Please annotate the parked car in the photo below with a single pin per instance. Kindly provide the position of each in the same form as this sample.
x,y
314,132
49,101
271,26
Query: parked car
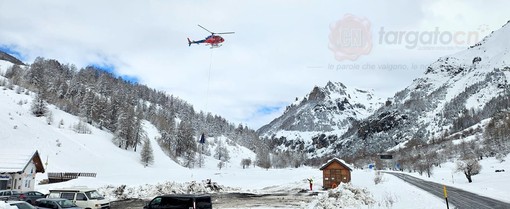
x,y
21,204
58,203
172,201
87,198
29,196
8,194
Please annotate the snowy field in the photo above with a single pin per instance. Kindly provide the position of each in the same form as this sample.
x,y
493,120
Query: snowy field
x,y
66,151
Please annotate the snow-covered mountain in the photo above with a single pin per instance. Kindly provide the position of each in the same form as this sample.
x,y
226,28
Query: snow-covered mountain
x,y
331,109
455,93
324,109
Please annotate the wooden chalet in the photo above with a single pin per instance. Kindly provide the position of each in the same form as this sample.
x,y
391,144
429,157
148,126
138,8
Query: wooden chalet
x,y
334,172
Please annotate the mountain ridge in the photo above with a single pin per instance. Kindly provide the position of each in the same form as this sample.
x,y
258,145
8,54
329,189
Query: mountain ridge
x,y
454,93
7,57
330,108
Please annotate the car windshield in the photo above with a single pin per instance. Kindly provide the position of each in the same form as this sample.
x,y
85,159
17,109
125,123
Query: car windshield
x,y
54,195
22,205
65,204
94,195
203,202
178,202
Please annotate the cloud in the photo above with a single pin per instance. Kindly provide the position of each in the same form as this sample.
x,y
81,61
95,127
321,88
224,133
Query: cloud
x,y
263,66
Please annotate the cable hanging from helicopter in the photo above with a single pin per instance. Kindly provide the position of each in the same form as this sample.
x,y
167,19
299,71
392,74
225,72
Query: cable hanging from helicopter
x,y
214,40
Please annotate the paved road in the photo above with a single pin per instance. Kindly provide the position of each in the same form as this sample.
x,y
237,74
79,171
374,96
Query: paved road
x,y
458,198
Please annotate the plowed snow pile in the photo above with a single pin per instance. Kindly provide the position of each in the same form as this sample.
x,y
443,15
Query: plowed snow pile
x,y
344,196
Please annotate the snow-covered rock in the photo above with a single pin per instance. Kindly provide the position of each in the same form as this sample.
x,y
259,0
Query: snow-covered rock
x,y
331,109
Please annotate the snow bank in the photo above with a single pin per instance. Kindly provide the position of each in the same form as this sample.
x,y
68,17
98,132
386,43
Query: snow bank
x,y
344,196
150,191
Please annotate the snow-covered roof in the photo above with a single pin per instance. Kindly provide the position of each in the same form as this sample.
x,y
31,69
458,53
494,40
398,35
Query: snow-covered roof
x,y
338,160
17,161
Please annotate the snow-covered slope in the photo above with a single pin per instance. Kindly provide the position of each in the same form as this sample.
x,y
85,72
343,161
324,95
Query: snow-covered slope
x,y
64,150
455,93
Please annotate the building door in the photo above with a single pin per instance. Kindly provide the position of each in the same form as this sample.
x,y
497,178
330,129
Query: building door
x,y
3,184
332,178
336,176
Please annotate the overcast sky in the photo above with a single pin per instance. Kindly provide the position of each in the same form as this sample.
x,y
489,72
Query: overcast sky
x,y
280,49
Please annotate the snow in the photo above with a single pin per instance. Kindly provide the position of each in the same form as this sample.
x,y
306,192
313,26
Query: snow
x,y
339,160
4,205
63,150
14,161
488,183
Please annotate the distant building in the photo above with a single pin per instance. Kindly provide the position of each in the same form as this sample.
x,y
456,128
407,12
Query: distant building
x,y
334,172
17,170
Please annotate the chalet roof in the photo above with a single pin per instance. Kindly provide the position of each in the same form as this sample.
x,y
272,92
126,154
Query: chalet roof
x,y
16,161
338,160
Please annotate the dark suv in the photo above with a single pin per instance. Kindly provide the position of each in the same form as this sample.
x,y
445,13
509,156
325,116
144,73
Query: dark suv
x,y
180,201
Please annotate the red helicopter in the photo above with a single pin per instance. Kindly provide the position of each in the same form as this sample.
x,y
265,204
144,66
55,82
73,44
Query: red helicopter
x,y
213,40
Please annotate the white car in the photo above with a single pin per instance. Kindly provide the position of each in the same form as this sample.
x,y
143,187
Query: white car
x,y
17,205
86,198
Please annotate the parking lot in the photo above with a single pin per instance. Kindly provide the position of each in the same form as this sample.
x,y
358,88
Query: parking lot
x,y
237,200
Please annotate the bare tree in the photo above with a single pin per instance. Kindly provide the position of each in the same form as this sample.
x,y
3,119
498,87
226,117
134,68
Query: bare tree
x,y
221,152
81,127
221,164
263,157
49,118
469,167
246,162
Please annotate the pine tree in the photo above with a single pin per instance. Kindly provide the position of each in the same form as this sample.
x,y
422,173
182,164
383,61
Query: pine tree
x,y
139,132
168,143
147,156
86,107
39,107
124,130
185,141
186,146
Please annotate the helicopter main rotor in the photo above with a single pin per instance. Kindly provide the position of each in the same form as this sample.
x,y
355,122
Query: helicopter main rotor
x,y
212,33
